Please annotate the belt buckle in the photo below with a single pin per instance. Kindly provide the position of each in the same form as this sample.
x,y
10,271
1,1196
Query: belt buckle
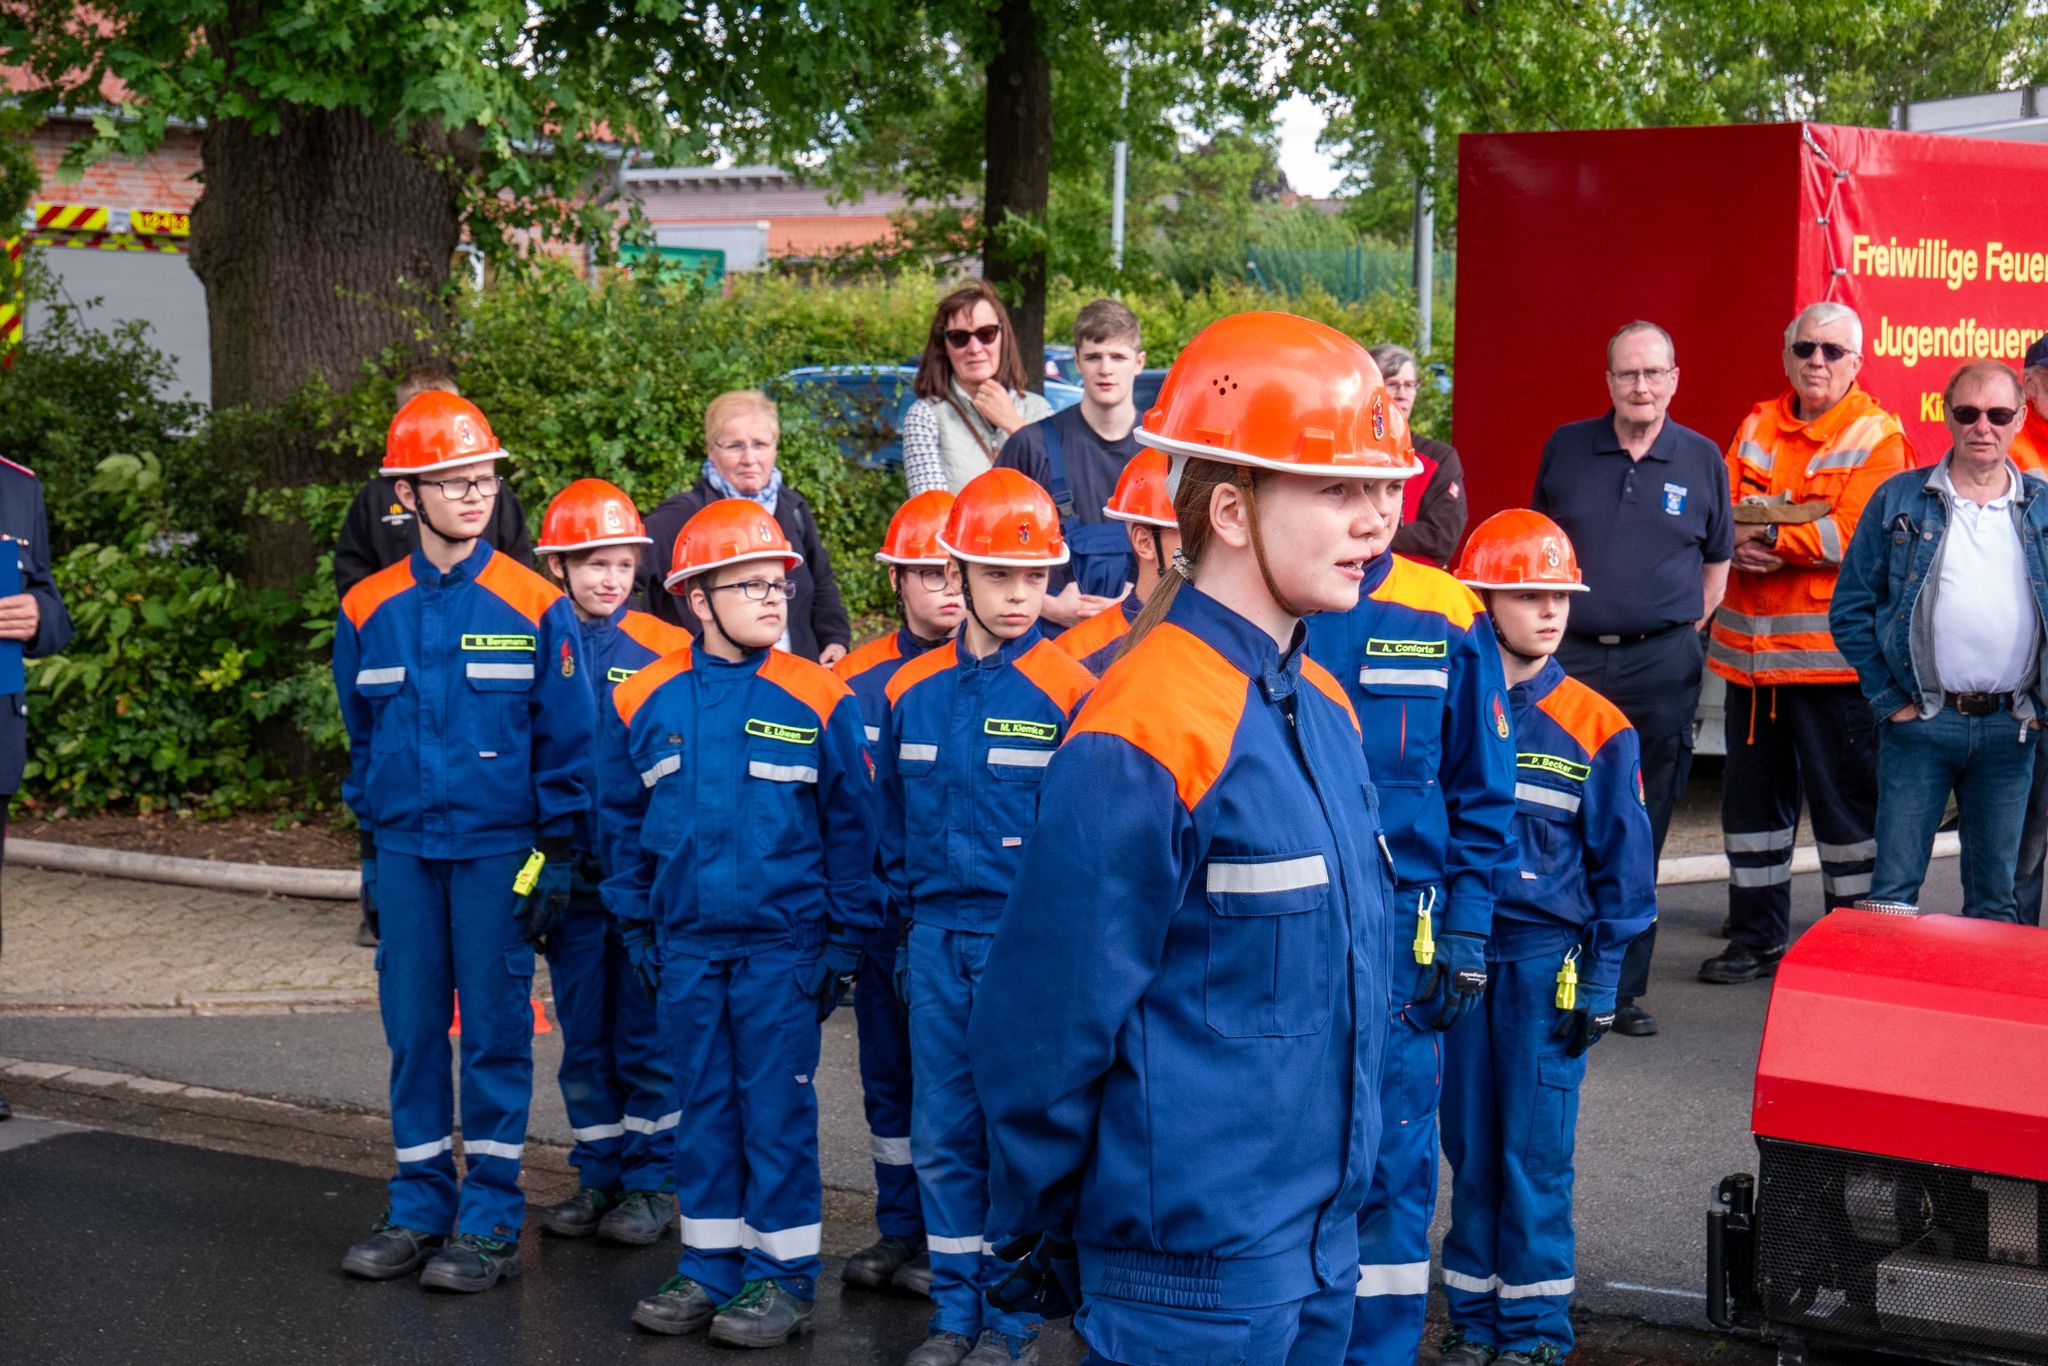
x,y
1976,703
1608,640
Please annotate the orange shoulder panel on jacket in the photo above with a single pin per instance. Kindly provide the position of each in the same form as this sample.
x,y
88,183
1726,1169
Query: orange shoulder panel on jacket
x,y
1429,589
371,593
1191,738
662,637
808,681
1586,716
627,697
919,669
524,591
876,652
1058,674
1091,635
1328,686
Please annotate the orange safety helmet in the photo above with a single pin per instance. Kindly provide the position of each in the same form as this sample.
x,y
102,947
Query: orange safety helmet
x,y
588,514
1004,518
1142,494
438,431
913,534
1520,549
1282,393
729,531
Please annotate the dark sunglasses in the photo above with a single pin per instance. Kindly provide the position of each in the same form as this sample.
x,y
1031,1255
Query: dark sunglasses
x,y
958,337
1966,415
1805,349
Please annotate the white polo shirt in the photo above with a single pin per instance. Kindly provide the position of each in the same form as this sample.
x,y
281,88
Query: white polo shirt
x,y
1986,628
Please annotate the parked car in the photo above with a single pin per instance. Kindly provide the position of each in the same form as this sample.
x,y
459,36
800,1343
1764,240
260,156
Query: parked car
x,y
863,405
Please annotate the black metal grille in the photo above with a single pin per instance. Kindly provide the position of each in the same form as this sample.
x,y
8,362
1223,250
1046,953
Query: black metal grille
x,y
1903,1254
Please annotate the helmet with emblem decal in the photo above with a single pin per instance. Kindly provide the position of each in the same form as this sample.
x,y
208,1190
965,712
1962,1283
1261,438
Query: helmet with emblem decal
x,y
1142,495
436,431
588,514
913,534
1520,549
729,531
1004,518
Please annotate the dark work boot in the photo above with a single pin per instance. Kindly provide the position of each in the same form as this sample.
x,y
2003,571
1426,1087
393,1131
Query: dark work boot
x,y
1741,963
872,1266
578,1216
940,1349
1632,1020
1000,1349
366,934
1541,1355
471,1262
640,1218
1459,1350
390,1251
914,1277
680,1306
763,1314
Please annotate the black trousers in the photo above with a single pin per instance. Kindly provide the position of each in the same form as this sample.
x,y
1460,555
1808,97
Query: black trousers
x,y
1656,683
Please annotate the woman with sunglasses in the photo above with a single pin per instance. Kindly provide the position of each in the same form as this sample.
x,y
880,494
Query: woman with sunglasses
x,y
970,392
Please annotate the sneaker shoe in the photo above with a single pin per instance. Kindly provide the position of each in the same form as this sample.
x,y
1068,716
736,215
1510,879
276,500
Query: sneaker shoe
x,y
578,1216
1458,1350
1632,1020
390,1251
872,1267
914,1277
1000,1349
1740,963
640,1218
940,1349
1541,1355
471,1262
680,1306
763,1314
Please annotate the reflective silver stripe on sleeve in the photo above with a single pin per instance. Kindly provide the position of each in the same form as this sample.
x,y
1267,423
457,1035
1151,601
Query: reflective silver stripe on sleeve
x,y
1415,678
1758,842
1770,876
1830,540
1020,758
782,773
1752,454
1847,459
663,766
1283,875
369,678
520,671
912,754
1547,796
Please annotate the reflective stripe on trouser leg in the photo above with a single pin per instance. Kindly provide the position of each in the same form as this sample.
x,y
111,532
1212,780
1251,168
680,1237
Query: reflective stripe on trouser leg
x,y
494,977
776,1038
1760,799
596,1109
948,1133
1472,1124
415,996
642,1074
1393,1225
884,1035
709,1180
1836,739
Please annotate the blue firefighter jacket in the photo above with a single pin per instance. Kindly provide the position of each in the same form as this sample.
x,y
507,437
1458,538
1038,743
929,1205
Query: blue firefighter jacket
x,y
617,647
737,813
959,769
1418,658
468,707
1179,1032
1588,875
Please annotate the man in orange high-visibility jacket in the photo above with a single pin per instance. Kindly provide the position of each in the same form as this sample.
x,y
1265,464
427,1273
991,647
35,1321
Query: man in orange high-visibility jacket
x,y
2029,449
1797,724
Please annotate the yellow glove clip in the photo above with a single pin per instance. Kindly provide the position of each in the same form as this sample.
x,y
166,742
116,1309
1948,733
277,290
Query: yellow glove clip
x,y
1568,982
1425,940
529,874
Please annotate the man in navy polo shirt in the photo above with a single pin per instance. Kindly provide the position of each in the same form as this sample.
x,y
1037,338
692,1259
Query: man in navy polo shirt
x,y
1645,501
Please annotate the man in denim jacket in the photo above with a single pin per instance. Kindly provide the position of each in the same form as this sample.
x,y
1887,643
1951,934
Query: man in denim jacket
x,y
1940,607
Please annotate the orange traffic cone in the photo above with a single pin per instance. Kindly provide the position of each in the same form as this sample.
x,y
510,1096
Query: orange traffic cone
x,y
540,1017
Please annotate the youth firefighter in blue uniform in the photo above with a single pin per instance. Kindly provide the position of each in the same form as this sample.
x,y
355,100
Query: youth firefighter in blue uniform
x,y
615,1076
1586,887
469,717
739,836
1418,658
1183,1015
1144,505
972,725
928,598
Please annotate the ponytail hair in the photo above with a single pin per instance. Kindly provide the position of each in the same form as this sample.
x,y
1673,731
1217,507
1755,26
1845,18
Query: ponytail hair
x,y
1199,479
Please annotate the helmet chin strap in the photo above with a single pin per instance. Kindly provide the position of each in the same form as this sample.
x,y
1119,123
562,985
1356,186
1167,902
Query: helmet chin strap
x,y
419,497
1251,507
718,622
967,593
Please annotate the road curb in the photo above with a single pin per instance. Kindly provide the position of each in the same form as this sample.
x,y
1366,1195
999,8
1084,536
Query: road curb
x,y
317,884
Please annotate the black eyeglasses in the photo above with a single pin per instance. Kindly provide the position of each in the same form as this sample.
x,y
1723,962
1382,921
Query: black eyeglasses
x,y
760,590
933,579
958,337
1805,349
455,490
1966,415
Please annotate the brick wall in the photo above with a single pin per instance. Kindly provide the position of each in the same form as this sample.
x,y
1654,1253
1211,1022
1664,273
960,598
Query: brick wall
x,y
165,179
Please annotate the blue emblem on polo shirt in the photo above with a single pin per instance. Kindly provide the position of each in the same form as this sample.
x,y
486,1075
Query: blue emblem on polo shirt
x,y
1674,499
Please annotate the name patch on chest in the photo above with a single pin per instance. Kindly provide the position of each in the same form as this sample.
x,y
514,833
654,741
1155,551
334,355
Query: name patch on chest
x,y
769,730
1020,730
1551,763
615,674
1408,649
524,643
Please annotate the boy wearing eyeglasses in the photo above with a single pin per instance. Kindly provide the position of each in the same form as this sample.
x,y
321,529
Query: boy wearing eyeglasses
x,y
469,718
738,825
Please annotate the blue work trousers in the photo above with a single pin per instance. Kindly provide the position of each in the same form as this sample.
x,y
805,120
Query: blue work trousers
x,y
884,1033
1304,1332
949,1133
448,927
1510,1117
1988,762
615,1077
743,1035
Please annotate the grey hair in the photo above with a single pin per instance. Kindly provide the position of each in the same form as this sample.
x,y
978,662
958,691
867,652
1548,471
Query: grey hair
x,y
1390,357
1639,325
1820,315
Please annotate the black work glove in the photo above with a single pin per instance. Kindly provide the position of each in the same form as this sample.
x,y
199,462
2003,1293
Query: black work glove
x,y
837,962
544,891
366,845
1044,1278
644,955
1582,1027
1460,976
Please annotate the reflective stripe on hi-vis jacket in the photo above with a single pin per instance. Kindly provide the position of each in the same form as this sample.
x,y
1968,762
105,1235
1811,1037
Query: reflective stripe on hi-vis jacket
x,y
1199,1112
468,704
752,823
1772,628
1587,872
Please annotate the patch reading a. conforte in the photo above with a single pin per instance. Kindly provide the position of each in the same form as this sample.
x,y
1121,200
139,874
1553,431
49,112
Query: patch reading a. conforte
x,y
526,643
1020,730
1408,649
769,730
1551,763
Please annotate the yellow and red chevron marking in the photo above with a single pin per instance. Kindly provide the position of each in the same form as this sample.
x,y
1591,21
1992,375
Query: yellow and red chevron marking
x,y
113,241
70,218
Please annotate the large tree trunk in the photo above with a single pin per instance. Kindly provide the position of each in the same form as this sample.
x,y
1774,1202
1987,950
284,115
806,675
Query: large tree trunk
x,y
1019,172
313,244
